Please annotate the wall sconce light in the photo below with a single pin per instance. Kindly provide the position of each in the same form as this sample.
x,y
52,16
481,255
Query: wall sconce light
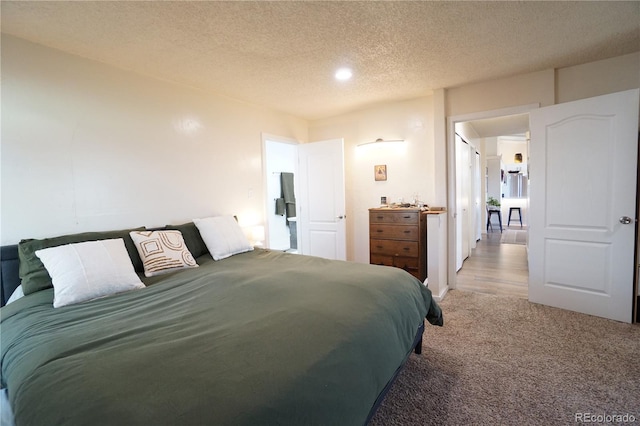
x,y
380,140
517,158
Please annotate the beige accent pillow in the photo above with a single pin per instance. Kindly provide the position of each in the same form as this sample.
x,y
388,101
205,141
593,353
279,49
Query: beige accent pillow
x,y
162,251
88,270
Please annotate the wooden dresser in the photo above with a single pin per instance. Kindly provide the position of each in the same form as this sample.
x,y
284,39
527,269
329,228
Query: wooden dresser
x,y
398,237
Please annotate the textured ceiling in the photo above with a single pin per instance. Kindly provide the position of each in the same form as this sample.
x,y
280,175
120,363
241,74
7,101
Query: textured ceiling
x,y
283,54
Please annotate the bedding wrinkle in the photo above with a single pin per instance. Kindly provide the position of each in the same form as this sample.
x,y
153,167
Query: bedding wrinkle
x,y
261,337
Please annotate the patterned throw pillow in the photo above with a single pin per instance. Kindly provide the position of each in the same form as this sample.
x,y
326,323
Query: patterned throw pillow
x,y
162,251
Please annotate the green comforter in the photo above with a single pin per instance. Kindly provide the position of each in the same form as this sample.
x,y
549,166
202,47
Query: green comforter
x,y
261,338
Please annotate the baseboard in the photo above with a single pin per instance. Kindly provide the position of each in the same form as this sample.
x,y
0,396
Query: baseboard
x,y
439,297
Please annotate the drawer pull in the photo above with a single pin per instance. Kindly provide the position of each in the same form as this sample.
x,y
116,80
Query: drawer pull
x,y
406,248
407,232
379,247
380,217
407,217
380,231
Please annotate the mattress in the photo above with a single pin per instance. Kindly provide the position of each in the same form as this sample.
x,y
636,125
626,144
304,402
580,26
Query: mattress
x,y
262,337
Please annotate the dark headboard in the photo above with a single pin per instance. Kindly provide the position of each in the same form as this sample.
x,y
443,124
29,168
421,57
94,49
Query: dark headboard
x,y
9,276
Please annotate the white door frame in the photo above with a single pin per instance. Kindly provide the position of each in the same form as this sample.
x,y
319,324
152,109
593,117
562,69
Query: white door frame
x,y
451,174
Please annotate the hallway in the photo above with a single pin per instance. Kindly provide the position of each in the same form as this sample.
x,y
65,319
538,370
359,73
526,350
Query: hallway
x,y
495,268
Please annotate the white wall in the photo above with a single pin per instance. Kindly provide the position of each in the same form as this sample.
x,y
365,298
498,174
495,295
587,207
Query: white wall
x,y
425,165
598,78
537,87
410,166
494,177
86,146
508,147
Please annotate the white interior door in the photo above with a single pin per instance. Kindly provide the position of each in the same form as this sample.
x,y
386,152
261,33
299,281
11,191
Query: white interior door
x,y
321,208
477,199
463,193
583,168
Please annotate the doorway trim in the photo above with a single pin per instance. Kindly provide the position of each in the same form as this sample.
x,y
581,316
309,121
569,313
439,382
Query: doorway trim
x,y
451,174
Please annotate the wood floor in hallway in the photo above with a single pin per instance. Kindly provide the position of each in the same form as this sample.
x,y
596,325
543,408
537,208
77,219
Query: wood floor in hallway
x,y
495,268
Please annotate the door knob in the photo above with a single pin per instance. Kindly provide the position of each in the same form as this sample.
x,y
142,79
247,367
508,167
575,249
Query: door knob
x,y
625,220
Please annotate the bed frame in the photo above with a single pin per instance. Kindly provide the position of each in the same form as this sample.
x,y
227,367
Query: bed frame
x,y
9,275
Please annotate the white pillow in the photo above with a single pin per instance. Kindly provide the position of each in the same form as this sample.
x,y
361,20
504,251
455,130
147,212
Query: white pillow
x,y
88,270
162,251
223,236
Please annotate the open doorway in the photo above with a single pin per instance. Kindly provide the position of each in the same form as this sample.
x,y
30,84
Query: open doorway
x,y
496,137
513,194
280,162
501,198
498,263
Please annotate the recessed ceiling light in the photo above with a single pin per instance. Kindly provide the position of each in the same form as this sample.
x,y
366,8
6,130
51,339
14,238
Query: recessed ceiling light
x,y
343,74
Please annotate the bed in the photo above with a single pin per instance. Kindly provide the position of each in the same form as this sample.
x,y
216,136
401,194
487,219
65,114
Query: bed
x,y
258,337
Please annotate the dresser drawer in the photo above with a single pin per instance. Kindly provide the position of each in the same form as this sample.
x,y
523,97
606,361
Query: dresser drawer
x,y
409,264
379,259
394,248
394,232
397,217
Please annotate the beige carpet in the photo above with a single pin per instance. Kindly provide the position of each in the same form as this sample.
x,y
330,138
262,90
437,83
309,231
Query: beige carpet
x,y
504,361
514,236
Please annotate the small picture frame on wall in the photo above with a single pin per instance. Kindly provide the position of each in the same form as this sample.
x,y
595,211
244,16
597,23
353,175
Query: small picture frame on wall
x,y
380,172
